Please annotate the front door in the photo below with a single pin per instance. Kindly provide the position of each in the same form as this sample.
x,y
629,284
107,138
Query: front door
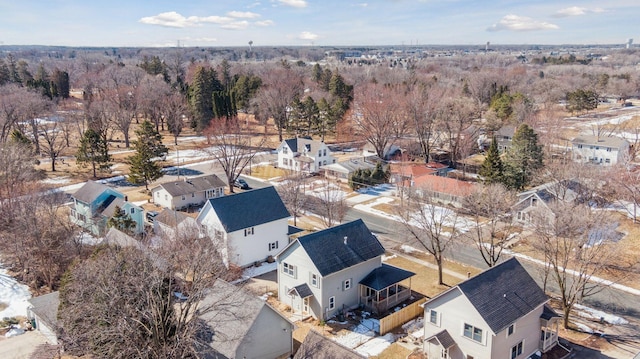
x,y
305,305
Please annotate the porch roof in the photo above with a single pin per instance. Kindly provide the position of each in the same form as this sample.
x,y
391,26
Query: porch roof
x,y
443,338
302,290
548,313
385,276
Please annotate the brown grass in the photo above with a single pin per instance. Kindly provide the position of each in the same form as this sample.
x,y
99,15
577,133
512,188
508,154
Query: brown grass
x,y
394,351
266,172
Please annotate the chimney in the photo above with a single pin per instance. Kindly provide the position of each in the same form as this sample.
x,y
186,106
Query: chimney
x,y
345,240
126,198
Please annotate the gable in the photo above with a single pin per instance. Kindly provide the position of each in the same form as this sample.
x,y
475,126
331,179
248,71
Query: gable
x,y
340,247
503,294
248,209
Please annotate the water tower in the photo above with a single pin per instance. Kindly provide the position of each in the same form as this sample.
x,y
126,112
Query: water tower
x,y
629,42
486,47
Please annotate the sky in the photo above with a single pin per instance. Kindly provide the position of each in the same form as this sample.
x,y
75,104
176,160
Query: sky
x,y
122,23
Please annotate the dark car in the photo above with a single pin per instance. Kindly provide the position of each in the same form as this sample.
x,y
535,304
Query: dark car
x,y
240,183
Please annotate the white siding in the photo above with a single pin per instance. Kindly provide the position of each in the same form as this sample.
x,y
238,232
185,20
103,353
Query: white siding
x,y
526,329
269,337
245,250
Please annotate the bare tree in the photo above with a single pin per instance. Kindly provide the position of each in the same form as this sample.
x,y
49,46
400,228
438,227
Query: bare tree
x,y
490,206
627,190
53,143
17,171
575,241
291,191
435,228
329,203
421,107
174,108
232,148
379,116
456,117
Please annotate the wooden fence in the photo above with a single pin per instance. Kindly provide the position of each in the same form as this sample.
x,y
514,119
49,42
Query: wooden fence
x,y
402,316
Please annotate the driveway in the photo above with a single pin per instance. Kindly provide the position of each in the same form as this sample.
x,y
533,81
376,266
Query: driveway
x,y
21,346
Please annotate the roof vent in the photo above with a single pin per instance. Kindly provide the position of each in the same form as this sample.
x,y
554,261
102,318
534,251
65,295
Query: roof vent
x,y
504,295
345,240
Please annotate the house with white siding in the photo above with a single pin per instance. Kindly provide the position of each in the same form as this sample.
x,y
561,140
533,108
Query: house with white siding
x,y
500,313
600,150
192,192
247,227
303,154
328,272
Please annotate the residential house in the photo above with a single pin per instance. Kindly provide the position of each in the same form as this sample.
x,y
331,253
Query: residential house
x,y
317,346
43,312
444,189
170,223
192,192
303,154
504,137
534,204
500,313
94,203
601,150
343,170
243,325
327,272
247,227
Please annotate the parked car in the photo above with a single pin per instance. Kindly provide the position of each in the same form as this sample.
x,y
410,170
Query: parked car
x,y
151,215
240,183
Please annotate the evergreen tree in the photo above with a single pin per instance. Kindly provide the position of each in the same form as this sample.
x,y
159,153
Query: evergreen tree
x,y
4,73
522,158
316,73
121,221
492,167
201,90
148,145
245,89
20,138
60,82
93,150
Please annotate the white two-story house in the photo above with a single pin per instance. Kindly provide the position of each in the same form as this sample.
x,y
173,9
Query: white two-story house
x,y
606,151
246,227
192,192
330,271
303,154
500,313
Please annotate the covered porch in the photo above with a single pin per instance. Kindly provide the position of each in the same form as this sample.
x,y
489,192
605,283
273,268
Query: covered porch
x,y
300,300
549,324
381,289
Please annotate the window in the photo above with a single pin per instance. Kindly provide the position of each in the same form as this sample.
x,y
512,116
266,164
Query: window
x,y
314,280
157,194
248,231
193,195
469,357
285,150
324,152
319,153
183,198
273,245
607,161
289,269
346,285
608,149
472,332
132,210
332,302
433,317
444,353
516,350
511,329
166,197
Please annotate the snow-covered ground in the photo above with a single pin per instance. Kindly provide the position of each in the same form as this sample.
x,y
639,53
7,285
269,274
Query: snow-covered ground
x,y
14,295
594,314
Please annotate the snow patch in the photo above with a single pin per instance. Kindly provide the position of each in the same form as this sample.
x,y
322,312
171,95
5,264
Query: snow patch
x,y
376,345
594,314
14,295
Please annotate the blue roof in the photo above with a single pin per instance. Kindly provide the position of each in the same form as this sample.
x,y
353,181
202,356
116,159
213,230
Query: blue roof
x,y
293,144
336,248
385,276
503,294
249,208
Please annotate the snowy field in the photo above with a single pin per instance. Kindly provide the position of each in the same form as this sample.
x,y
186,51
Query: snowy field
x,y
362,338
14,295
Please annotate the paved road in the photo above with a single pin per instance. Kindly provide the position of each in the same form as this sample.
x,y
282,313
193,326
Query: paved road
x,y
392,236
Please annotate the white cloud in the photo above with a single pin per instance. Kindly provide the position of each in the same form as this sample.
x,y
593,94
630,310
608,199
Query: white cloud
x,y
306,35
250,6
236,25
521,23
294,3
364,4
576,11
243,14
265,23
173,19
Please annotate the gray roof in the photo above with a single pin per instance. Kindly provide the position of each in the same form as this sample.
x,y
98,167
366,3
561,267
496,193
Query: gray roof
x,y
249,208
294,230
230,312
564,190
193,185
170,217
444,339
548,313
385,276
316,346
503,294
90,191
336,248
46,307
302,290
110,210
349,166
293,144
603,141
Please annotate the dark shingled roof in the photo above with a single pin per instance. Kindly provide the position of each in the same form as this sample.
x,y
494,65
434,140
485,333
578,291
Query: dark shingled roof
x,y
46,307
293,144
503,294
90,191
548,313
302,290
293,230
249,208
385,276
444,338
330,252
316,346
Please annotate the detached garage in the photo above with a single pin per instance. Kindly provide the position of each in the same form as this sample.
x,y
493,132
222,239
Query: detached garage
x,y
43,311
